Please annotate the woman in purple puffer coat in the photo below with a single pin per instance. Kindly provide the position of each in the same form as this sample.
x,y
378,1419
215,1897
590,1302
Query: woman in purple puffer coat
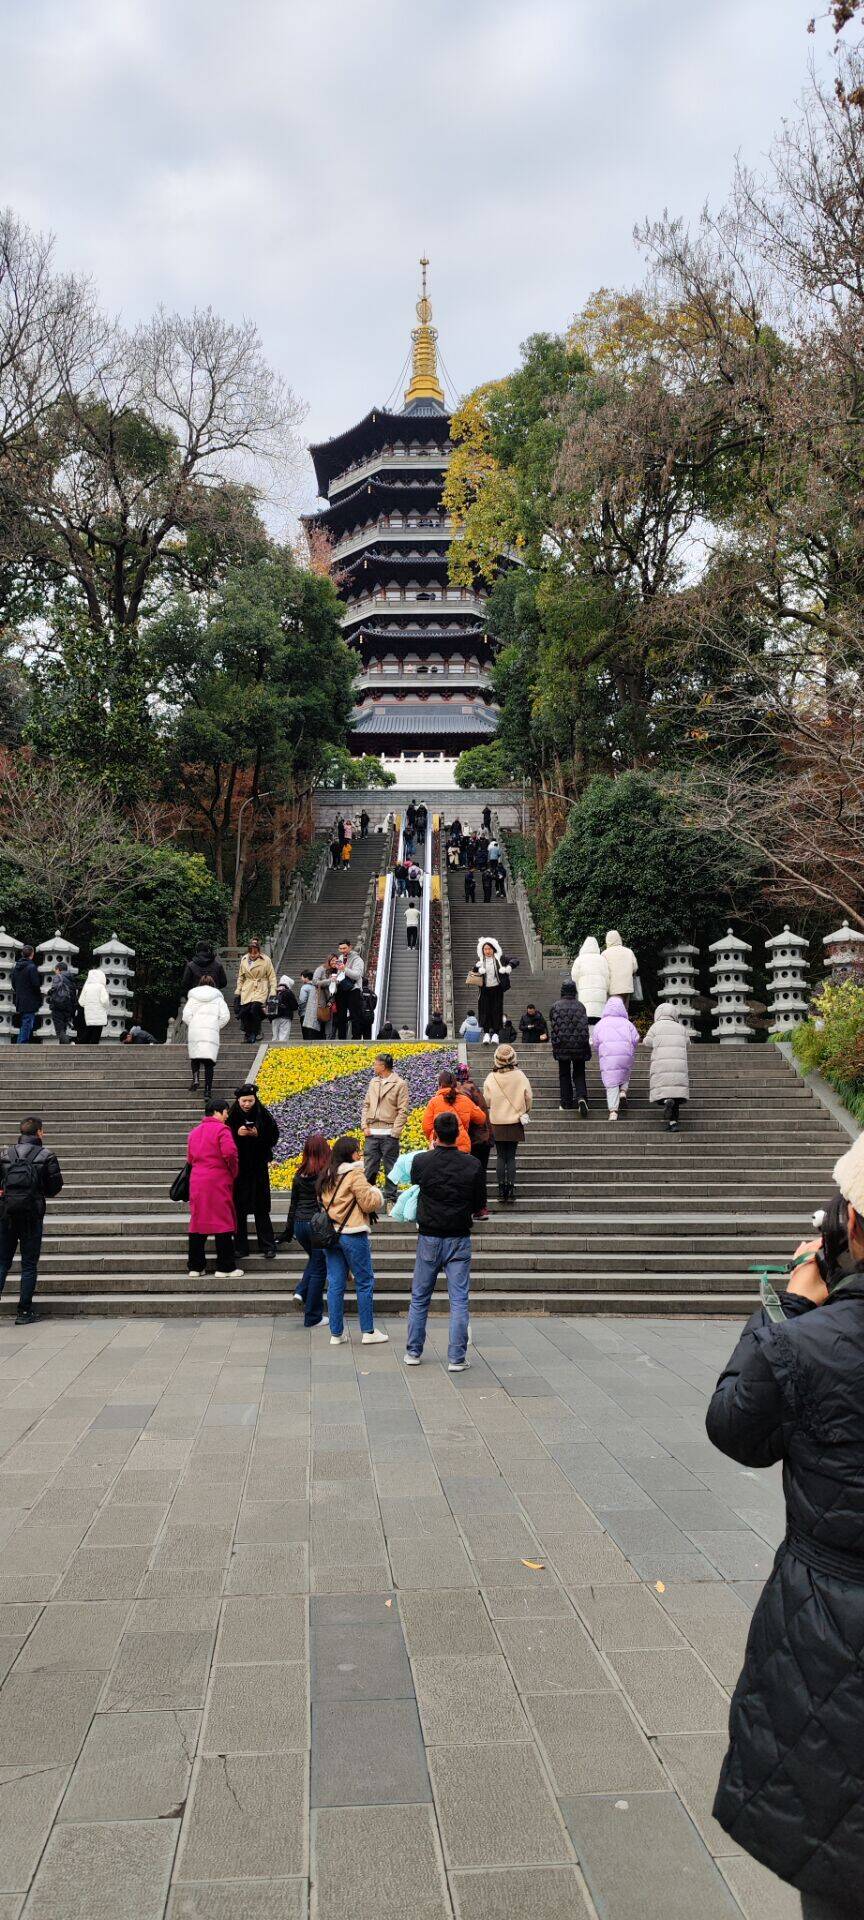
x,y
614,1040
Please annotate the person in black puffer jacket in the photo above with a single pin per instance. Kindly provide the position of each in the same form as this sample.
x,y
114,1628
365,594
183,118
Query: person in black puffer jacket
x,y
791,1790
571,1047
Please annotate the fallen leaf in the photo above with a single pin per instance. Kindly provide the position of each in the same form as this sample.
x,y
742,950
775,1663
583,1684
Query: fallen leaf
x,y
660,1586
388,1603
537,1566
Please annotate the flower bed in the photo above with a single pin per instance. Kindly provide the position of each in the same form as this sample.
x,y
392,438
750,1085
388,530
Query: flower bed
x,y
319,1088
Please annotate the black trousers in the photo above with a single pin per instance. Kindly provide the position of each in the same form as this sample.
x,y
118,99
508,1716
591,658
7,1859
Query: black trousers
x,y
61,1022
91,1036
225,1255
671,1110
411,936
251,1016
25,1234
208,1066
505,1151
263,1230
349,1006
571,1081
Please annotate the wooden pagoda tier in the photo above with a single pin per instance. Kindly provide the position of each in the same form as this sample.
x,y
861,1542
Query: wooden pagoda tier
x,y
423,681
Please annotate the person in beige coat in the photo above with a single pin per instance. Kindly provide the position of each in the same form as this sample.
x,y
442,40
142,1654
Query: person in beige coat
x,y
623,967
351,1203
256,984
383,1115
508,1095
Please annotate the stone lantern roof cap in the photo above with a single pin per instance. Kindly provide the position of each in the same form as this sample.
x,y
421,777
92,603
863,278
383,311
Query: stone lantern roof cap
x,y
787,939
843,933
115,949
57,945
730,943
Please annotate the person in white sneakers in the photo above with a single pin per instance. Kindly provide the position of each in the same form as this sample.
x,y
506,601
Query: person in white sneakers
x,y
347,1197
452,1193
211,1151
493,973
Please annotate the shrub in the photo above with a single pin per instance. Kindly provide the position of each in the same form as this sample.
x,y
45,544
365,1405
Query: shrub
x,y
832,1042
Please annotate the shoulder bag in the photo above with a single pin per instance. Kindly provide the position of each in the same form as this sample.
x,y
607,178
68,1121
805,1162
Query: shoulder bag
x,y
323,1231
179,1188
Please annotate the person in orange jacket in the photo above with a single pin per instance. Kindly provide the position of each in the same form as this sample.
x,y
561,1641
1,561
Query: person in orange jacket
x,y
451,1099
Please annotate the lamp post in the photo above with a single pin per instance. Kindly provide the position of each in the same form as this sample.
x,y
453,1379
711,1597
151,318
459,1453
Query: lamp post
x,y
251,801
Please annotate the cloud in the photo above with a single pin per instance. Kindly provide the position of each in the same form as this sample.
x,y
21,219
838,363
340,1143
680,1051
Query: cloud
x,y
290,161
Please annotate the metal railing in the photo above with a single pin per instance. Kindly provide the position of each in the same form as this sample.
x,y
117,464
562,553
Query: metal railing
x,y
542,959
448,997
299,893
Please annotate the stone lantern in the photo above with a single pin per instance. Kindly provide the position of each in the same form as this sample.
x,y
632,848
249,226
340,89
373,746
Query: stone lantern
x,y
9,951
730,989
115,961
844,949
786,967
680,988
50,953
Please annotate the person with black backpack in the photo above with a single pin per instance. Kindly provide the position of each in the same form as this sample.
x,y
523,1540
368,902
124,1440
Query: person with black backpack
x,y
29,1175
63,1000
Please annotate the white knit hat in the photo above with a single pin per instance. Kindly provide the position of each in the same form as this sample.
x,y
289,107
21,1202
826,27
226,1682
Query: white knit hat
x,y
849,1175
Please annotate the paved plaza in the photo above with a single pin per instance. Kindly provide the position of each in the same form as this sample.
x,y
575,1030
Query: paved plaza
x,y
276,1616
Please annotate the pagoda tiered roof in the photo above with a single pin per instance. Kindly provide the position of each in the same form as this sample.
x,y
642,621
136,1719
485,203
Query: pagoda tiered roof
x,y
374,495
377,429
380,721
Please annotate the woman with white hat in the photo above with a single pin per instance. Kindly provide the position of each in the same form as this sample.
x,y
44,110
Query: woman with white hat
x,y
492,975
286,1007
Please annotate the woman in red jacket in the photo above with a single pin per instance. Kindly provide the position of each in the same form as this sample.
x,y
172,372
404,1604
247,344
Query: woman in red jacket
x,y
211,1151
450,1099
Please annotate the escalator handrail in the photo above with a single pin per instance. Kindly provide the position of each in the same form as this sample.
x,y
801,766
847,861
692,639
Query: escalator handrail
x,y
423,941
385,947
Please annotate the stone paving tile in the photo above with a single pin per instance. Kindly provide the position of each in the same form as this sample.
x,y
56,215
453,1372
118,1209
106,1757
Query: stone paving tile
x,y
693,1761
465,1701
671,1691
446,1624
73,1634
239,1900
369,1862
495,1808
29,1799
640,1854
133,1766
246,1818
160,1670
552,1656
105,1872
257,1709
593,1745
760,1895
262,1628
367,1753
544,1893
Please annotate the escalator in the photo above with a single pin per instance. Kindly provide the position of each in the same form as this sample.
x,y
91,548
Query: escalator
x,y
403,973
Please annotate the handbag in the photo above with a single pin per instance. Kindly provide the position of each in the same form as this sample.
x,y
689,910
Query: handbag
x,y
636,990
179,1188
323,1231
474,979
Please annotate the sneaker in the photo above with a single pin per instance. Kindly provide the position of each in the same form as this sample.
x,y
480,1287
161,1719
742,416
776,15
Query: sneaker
x,y
457,1366
412,1359
613,1116
193,1274
299,1298
374,1339
494,1039
482,1216
235,1274
583,1109
26,1316
486,1039
565,1109
338,1339
673,1126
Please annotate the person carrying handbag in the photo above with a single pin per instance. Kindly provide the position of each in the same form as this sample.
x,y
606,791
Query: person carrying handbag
x,y
508,1095
492,974
349,1203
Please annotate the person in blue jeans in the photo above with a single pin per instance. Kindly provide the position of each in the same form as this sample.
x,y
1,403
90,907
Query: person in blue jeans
x,y
346,1195
452,1189
314,1161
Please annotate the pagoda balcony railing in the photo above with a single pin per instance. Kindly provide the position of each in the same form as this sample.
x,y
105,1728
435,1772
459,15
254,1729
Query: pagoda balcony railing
x,y
384,462
428,531
382,679
441,603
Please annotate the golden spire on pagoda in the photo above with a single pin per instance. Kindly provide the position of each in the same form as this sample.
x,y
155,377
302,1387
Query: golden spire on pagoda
x,y
425,384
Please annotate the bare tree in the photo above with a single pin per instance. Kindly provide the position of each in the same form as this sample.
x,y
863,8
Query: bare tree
x,y
69,841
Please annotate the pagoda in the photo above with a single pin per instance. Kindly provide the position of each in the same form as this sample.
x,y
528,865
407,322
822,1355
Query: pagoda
x,y
423,685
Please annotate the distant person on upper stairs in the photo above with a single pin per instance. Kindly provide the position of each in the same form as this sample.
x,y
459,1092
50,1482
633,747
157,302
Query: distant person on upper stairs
x,y
307,1002
614,1039
408,847
456,830
364,824
500,882
471,1030
493,972
347,850
487,818
203,961
494,852
452,854
286,1007
410,815
205,1013
335,852
669,1077
571,1048
590,974
421,819
400,876
414,887
508,1031
481,853
486,884
436,1028
370,1002
256,984
139,1037
470,885
94,1003
340,831
350,829
623,966
62,999
26,993
412,924
532,1026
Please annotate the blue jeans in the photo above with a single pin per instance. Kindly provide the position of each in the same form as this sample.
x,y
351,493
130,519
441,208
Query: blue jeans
x,y
353,1255
455,1257
25,1031
24,1232
313,1277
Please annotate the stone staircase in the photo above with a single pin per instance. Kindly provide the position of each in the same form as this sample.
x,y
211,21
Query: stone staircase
x,y
337,913
500,920
624,1218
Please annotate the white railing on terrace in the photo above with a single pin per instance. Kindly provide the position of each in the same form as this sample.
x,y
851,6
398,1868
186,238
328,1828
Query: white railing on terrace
x,y
385,460
423,535
440,602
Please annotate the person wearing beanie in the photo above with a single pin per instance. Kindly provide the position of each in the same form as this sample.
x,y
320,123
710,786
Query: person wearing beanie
x,y
286,1007
792,1783
571,1048
509,1098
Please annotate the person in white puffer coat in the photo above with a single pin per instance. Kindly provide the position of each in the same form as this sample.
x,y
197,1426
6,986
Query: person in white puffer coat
x,y
94,1001
590,970
623,967
205,1014
669,1081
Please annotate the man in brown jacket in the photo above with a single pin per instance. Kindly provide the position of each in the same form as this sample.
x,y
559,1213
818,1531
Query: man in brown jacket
x,y
385,1111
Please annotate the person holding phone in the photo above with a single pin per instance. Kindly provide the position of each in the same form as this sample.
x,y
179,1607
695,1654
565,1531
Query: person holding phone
x,y
255,1134
791,1790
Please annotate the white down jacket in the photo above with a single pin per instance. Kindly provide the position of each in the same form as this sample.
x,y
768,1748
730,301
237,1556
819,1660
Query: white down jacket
x,y
206,1012
590,970
93,998
668,1041
622,963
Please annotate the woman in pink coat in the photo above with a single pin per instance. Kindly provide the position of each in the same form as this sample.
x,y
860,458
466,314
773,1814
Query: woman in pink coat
x,y
211,1151
614,1039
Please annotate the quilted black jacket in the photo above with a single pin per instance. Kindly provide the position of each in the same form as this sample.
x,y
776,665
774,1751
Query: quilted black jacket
x,y
792,1786
569,1031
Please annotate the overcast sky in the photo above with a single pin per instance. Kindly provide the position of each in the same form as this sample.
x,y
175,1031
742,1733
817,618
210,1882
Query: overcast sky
x,y
290,159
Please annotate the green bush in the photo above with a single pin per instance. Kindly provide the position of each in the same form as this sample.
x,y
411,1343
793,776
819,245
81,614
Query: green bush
x,y
523,860
168,903
832,1042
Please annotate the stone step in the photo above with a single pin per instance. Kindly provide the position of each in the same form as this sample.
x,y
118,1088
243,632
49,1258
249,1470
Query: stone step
x,y
212,1305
